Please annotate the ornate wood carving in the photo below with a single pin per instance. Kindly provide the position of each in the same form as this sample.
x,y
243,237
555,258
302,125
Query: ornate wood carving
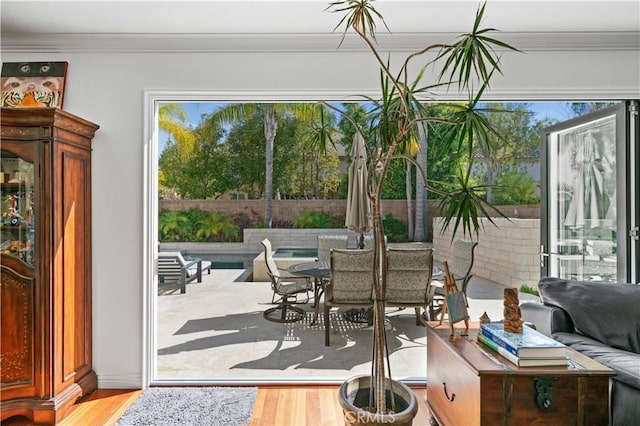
x,y
17,326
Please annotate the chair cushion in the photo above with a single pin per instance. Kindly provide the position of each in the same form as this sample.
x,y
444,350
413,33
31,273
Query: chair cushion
x,y
292,287
193,269
606,312
175,254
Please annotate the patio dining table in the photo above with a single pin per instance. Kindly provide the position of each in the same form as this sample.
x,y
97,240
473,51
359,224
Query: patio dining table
x,y
319,272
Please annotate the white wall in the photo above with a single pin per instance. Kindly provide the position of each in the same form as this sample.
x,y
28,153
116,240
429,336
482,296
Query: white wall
x,y
107,88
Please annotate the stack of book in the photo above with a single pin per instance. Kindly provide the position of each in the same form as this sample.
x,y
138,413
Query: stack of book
x,y
527,349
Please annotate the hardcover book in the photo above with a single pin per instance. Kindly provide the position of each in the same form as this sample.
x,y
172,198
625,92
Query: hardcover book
x,y
523,362
528,344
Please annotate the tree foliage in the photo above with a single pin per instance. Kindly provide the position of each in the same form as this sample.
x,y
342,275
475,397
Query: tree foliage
x,y
202,172
582,108
515,187
172,118
270,112
515,140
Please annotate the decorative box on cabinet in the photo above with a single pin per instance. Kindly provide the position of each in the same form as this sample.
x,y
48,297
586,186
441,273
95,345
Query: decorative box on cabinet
x,y
45,261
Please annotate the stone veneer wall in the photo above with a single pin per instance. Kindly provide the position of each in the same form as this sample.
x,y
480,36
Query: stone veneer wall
x,y
507,254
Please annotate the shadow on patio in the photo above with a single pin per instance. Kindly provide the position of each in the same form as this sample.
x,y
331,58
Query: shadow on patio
x,y
216,332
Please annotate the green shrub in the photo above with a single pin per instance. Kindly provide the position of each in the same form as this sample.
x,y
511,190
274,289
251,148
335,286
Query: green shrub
x,y
216,227
173,226
530,290
195,225
394,229
314,219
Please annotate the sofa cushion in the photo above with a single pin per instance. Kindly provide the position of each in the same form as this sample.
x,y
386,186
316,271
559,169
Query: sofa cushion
x,y
626,364
606,312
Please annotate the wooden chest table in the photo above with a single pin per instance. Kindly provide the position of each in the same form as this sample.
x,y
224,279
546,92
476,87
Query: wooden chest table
x,y
469,384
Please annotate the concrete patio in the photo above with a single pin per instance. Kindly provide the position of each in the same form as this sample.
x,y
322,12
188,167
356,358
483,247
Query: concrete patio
x,y
216,333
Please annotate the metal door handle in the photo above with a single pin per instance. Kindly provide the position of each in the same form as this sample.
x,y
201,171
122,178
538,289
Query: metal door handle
x,y
542,256
453,395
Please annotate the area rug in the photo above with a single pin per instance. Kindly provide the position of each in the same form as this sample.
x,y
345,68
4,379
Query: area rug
x,y
201,406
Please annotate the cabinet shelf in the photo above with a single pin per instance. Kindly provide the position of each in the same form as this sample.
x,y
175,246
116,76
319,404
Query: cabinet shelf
x,y
15,228
12,186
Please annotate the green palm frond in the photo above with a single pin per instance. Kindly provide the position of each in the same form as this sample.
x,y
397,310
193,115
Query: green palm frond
x,y
172,118
321,133
215,227
465,204
361,16
472,126
475,52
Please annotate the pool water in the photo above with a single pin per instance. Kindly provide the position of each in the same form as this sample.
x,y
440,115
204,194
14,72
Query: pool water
x,y
227,260
296,252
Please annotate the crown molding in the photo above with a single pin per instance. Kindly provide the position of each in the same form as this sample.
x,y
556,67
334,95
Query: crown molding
x,y
230,43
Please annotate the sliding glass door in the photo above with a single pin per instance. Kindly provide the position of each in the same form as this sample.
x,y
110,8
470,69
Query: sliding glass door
x,y
589,197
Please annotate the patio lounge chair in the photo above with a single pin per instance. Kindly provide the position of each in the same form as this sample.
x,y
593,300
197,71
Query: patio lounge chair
x,y
286,289
174,268
350,282
409,279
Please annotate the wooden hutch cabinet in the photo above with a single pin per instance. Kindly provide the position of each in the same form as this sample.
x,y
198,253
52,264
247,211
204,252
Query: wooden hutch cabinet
x,y
45,260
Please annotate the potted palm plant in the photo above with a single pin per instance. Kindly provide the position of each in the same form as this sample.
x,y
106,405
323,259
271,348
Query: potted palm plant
x,y
399,118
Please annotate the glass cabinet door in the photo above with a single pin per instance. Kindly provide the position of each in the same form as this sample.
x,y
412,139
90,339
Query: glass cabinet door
x,y
17,226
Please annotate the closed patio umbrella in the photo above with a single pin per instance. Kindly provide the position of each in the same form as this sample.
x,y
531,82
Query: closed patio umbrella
x,y
358,215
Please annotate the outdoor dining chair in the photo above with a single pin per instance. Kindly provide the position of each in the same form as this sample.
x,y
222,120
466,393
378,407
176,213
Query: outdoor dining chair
x,y
409,279
350,282
328,242
286,289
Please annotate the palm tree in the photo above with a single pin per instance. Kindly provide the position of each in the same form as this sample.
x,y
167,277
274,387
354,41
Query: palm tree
x,y
216,227
173,225
419,228
233,113
470,62
172,118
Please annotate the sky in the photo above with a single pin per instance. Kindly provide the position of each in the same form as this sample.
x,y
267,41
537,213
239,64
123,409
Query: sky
x,y
554,110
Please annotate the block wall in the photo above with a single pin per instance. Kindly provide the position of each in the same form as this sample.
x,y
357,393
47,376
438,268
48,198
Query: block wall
x,y
507,253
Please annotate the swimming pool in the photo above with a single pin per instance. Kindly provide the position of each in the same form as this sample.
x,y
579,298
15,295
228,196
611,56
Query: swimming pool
x,y
296,252
227,260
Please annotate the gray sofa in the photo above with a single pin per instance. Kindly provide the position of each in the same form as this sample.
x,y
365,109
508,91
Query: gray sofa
x,y
601,320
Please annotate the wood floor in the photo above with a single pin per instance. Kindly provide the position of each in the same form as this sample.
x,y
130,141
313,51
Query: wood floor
x,y
275,406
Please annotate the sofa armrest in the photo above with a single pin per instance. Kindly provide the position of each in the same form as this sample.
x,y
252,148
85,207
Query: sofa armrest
x,y
546,318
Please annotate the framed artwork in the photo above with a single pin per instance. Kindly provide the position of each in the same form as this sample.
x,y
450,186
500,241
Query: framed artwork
x,y
33,84
455,304
457,307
